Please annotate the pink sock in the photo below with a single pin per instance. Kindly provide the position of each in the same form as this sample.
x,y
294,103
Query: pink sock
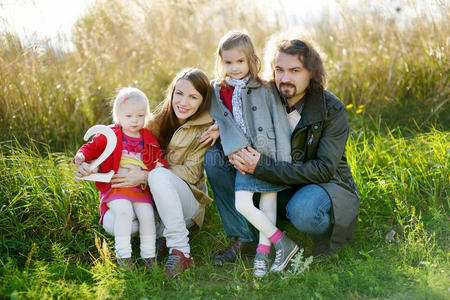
x,y
263,248
276,236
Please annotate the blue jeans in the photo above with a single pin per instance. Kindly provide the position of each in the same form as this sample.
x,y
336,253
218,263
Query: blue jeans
x,y
221,176
308,209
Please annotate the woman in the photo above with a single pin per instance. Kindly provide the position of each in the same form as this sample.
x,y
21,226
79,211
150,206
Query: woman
x,y
179,192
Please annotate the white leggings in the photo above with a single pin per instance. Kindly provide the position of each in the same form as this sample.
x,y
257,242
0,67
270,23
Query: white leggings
x,y
118,221
264,219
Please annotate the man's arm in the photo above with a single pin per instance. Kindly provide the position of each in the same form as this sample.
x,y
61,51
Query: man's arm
x,y
321,169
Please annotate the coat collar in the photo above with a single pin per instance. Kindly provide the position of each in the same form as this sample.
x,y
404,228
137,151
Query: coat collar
x,y
203,119
253,84
314,109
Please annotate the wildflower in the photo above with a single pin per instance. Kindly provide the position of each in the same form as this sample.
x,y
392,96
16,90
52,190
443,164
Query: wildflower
x,y
349,106
359,111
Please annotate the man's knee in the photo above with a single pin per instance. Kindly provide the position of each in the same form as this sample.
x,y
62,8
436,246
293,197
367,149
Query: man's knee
x,y
309,210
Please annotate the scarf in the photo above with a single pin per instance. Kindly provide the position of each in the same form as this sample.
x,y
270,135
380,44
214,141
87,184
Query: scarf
x,y
236,100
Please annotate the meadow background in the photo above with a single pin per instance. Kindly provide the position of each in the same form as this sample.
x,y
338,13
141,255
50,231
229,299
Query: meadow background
x,y
388,63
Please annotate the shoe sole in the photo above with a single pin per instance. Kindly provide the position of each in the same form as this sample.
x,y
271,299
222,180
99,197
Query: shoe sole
x,y
259,275
283,265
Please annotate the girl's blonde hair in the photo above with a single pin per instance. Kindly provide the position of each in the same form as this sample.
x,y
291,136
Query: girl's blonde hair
x,y
127,94
232,40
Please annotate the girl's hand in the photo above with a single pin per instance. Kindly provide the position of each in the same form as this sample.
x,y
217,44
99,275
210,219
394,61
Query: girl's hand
x,y
210,135
83,170
133,178
79,159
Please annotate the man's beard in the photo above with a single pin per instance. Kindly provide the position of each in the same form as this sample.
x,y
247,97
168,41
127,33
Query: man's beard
x,y
288,95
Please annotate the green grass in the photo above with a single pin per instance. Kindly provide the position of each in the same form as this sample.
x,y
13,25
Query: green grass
x,y
374,59
52,245
390,69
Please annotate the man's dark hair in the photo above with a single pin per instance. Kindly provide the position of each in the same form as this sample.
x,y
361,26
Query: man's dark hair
x,y
308,56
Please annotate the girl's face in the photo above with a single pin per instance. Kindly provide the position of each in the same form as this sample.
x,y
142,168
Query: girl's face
x,y
235,63
185,100
132,116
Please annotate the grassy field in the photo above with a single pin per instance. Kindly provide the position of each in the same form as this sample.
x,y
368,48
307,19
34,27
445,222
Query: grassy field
x,y
390,70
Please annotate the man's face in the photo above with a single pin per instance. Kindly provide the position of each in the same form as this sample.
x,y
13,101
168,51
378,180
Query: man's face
x,y
291,77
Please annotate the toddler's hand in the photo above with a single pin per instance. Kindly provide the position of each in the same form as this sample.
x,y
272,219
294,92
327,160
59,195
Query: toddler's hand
x,y
84,170
79,159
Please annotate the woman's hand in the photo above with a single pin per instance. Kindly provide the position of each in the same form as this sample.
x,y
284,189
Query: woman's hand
x,y
210,135
134,177
84,169
245,160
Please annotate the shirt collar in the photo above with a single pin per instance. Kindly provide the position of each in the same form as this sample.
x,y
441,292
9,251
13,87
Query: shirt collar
x,y
297,106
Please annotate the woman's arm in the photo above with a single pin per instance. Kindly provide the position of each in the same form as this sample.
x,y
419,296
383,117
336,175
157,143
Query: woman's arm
x,y
136,176
192,168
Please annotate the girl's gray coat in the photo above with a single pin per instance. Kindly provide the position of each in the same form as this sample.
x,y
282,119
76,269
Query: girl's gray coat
x,y
265,119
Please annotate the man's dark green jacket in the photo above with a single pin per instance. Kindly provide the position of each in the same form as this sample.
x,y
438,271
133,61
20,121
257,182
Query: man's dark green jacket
x,y
318,155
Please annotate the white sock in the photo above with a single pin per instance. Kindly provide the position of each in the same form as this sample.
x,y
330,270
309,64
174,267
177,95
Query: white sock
x,y
123,246
148,243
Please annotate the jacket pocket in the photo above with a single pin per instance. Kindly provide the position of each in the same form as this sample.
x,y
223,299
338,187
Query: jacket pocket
x,y
271,133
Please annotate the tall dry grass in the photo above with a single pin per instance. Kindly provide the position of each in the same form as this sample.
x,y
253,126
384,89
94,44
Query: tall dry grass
x,y
392,60
397,68
54,97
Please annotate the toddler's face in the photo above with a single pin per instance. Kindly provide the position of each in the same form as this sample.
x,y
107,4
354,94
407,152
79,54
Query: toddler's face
x,y
132,116
235,63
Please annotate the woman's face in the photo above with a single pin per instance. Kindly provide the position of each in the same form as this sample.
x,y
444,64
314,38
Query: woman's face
x,y
185,100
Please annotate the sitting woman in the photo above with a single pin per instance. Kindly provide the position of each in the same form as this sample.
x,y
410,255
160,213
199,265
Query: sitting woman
x,y
179,192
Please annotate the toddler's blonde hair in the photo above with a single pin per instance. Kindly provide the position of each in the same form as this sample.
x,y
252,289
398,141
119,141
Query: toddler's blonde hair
x,y
130,94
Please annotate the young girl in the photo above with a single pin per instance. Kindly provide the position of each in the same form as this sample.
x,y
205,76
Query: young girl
x,y
248,114
136,146
179,192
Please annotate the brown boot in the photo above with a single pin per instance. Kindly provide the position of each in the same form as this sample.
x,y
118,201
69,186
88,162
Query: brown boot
x,y
148,263
126,263
230,254
322,248
177,262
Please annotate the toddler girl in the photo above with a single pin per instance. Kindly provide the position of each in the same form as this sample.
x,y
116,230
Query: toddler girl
x,y
136,146
248,114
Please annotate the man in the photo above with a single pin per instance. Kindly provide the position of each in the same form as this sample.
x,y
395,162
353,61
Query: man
x,y
323,201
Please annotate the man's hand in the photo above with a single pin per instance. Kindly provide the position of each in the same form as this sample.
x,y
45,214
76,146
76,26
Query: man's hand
x,y
134,177
235,160
210,135
245,160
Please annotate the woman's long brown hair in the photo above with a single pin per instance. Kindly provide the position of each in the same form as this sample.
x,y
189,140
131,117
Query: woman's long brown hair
x,y
165,122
